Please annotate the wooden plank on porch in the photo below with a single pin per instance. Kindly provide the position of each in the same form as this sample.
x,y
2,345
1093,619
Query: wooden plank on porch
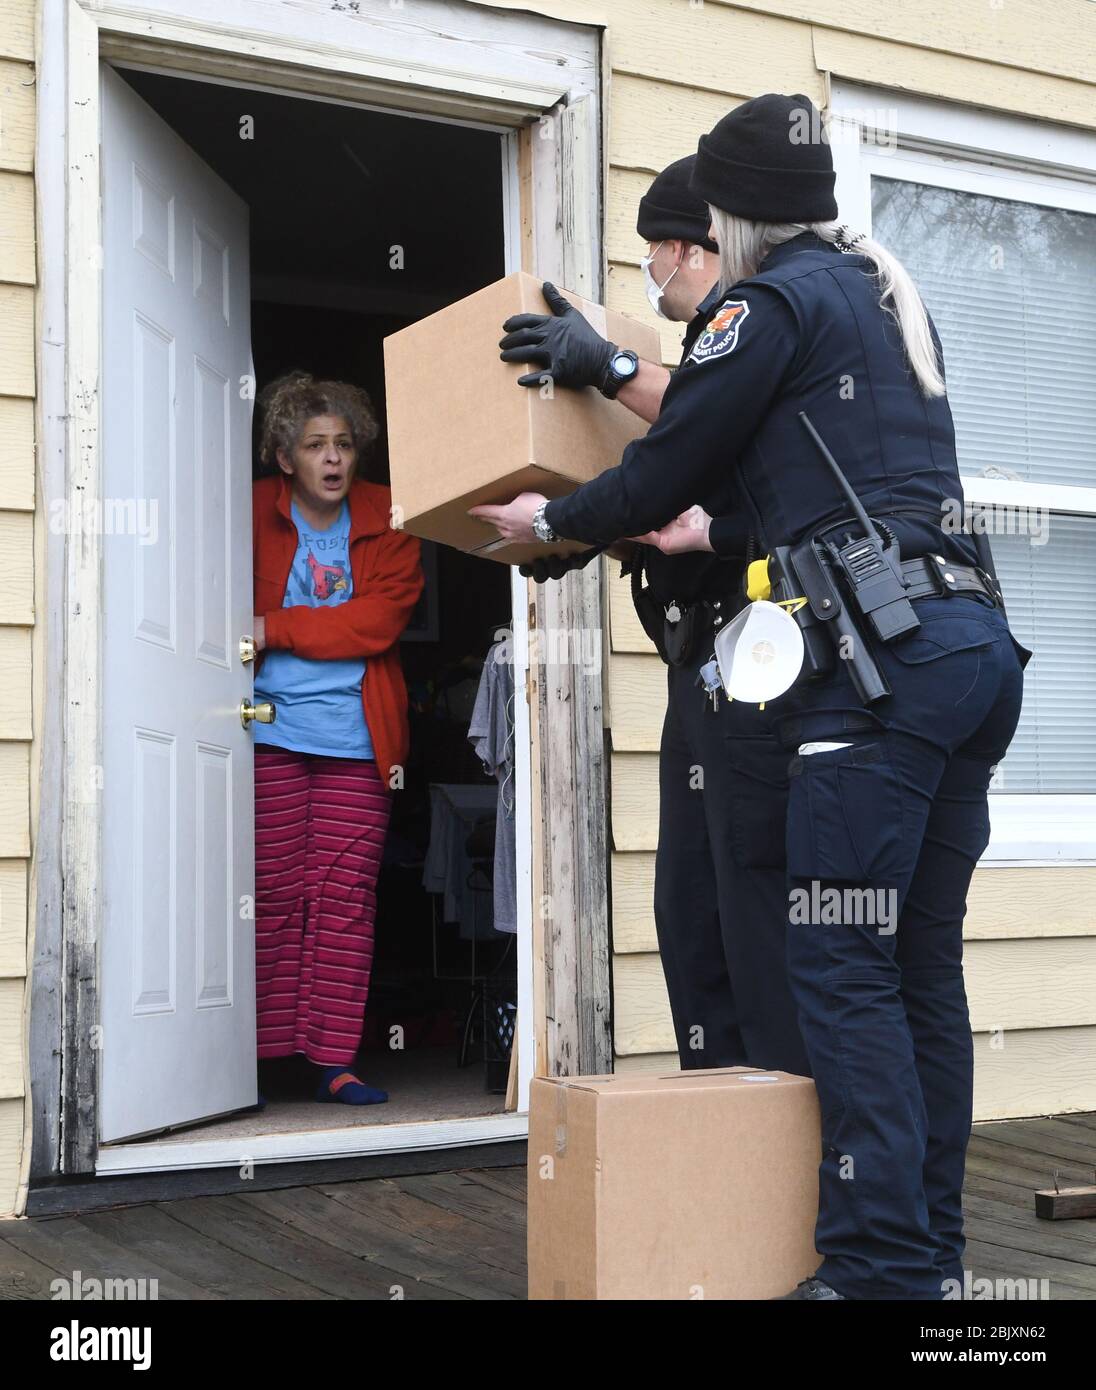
x,y
461,1235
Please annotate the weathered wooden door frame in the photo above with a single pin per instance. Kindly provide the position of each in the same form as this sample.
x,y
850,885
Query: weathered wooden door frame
x,y
542,81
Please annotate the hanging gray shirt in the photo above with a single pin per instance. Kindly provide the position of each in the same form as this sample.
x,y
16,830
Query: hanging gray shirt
x,y
492,734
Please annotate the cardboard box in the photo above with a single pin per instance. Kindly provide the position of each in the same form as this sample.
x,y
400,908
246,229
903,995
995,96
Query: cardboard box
x,y
692,1184
461,431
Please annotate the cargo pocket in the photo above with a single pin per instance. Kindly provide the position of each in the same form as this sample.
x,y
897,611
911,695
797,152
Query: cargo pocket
x,y
959,642
844,815
937,637
758,802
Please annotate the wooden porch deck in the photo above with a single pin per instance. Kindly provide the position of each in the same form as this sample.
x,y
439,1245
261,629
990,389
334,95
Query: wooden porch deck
x,y
461,1234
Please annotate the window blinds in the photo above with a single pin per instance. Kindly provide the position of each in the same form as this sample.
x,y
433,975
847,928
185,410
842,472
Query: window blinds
x,y
1011,287
1050,593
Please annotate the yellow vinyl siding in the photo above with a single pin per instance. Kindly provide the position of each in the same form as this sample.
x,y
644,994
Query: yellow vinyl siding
x,y
11,1038
1012,986
625,630
953,78
16,567
13,917
15,683
637,700
1043,1071
17,18
17,226
16,331
16,445
1003,904
17,562
674,70
17,104
651,124
1020,35
11,1153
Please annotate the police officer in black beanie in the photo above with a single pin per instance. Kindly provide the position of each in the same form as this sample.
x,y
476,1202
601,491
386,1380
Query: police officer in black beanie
x,y
768,160
889,772
720,904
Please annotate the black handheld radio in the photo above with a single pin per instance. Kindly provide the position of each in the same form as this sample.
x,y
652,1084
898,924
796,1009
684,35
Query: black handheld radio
x,y
872,570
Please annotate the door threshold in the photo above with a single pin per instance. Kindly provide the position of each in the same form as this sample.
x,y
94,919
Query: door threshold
x,y
357,1141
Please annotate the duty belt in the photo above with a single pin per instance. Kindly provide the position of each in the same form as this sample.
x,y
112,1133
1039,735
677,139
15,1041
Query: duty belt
x,y
934,576
676,640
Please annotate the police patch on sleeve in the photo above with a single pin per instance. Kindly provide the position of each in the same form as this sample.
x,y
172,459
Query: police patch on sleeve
x,y
721,334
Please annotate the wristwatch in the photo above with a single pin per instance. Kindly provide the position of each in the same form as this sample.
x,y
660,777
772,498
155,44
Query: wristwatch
x,y
541,529
622,368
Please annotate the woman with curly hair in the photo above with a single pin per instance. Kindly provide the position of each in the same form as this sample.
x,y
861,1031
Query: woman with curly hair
x,y
335,586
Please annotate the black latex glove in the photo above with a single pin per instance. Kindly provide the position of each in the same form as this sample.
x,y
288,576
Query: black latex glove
x,y
556,566
562,343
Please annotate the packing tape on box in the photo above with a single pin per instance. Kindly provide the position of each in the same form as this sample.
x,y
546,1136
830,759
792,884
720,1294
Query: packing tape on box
x,y
708,1071
561,1118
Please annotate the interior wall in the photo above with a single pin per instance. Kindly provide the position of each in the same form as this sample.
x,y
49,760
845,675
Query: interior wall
x,y
343,214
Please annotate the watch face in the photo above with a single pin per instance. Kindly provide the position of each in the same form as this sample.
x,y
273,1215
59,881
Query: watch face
x,y
624,365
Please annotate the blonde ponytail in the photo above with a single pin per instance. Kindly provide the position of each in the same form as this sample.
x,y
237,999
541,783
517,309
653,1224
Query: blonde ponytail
x,y
743,245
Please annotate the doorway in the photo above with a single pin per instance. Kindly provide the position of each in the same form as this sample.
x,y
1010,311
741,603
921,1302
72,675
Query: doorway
x,y
357,222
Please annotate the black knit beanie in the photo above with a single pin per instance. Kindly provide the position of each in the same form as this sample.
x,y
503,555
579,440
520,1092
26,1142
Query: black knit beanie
x,y
669,212
767,161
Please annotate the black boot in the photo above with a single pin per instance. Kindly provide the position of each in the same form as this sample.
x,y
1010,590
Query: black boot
x,y
810,1288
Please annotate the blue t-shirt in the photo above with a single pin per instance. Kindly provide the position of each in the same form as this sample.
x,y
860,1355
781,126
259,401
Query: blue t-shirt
x,y
319,703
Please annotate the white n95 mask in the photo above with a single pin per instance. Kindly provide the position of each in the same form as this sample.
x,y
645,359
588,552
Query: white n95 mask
x,y
654,289
759,653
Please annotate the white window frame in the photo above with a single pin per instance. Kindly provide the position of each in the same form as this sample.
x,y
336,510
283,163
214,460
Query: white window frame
x,y
891,135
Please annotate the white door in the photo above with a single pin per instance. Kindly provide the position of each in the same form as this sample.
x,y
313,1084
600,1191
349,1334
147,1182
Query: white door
x,y
177,980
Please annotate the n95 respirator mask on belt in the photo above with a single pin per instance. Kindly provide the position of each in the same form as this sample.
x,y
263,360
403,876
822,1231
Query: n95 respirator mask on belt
x,y
759,653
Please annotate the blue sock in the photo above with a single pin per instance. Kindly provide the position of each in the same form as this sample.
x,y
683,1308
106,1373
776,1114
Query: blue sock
x,y
340,1084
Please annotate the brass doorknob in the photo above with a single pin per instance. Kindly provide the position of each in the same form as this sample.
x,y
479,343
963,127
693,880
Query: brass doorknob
x,y
247,649
264,712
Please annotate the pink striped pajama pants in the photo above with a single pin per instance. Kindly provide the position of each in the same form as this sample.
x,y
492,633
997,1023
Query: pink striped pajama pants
x,y
320,825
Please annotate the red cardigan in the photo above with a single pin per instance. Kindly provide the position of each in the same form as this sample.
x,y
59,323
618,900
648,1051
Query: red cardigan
x,y
388,580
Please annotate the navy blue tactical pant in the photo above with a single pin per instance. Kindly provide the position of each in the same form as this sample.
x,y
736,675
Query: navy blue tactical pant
x,y
882,839
720,895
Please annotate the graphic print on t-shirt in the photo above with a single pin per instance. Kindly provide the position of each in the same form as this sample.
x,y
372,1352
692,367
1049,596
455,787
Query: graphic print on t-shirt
x,y
326,579
319,703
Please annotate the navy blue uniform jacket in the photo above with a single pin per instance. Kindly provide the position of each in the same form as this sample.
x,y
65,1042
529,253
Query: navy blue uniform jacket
x,y
806,333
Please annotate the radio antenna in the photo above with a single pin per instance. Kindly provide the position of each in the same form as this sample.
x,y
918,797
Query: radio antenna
x,y
842,482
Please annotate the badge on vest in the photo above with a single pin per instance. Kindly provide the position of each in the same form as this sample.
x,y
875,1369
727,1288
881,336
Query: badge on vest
x,y
721,334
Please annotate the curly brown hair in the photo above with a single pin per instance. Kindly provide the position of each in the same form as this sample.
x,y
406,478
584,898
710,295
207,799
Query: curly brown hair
x,y
289,402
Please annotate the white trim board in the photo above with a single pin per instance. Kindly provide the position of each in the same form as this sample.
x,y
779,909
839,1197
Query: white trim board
x,y
357,1141
956,131
1051,828
1006,492
964,147
434,57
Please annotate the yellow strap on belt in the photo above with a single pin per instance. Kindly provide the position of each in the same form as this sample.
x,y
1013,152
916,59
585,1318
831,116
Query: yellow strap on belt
x,y
757,580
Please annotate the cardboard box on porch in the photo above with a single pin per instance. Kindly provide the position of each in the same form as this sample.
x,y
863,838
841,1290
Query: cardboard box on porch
x,y
678,1185
461,431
